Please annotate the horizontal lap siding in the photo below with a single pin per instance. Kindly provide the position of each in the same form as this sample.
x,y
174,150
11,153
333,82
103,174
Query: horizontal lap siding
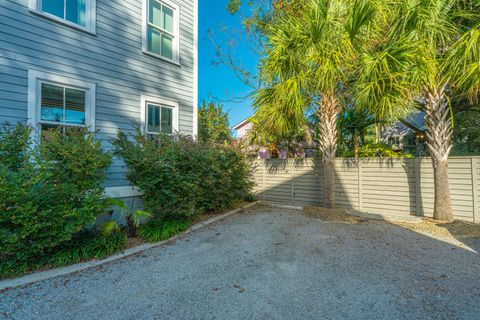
x,y
386,185
346,184
461,188
112,59
382,181
308,184
278,186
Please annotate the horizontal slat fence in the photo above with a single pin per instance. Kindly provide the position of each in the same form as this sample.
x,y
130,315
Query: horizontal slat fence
x,y
373,185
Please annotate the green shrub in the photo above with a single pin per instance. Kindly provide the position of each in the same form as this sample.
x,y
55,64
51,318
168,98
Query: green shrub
x,y
375,150
181,178
155,231
47,193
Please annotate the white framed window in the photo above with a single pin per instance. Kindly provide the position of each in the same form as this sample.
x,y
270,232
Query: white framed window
x,y
80,14
59,102
161,29
158,116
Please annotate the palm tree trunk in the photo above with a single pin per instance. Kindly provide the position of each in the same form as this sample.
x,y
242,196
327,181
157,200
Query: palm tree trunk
x,y
328,114
439,133
356,141
378,133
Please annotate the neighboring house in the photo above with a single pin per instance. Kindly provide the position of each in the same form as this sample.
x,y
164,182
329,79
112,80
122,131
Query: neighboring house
x,y
401,135
408,133
101,64
243,128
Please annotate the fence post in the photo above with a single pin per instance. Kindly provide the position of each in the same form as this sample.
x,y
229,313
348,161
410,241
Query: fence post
x,y
293,181
475,186
418,187
264,173
360,200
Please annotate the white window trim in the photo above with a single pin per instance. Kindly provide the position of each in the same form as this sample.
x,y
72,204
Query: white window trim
x,y
36,77
91,15
145,100
176,33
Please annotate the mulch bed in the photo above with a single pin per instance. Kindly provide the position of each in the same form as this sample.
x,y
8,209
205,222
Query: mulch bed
x,y
332,215
456,229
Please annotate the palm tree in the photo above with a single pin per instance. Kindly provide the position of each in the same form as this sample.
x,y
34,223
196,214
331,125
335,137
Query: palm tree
x,y
353,124
309,56
432,54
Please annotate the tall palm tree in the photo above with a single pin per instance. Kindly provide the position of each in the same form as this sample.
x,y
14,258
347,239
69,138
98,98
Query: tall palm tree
x,y
309,56
432,54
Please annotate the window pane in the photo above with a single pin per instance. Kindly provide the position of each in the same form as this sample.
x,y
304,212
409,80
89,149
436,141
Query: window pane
x,y
51,103
154,41
155,13
76,11
167,120
153,125
75,106
168,19
167,46
55,7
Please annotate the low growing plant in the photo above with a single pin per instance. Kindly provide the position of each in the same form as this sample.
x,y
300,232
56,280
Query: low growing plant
x,y
155,231
86,246
132,217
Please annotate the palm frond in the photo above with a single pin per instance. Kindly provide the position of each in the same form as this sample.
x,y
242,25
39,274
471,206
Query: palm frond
x,y
110,228
462,64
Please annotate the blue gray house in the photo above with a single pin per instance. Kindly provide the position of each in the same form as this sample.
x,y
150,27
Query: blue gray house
x,y
101,64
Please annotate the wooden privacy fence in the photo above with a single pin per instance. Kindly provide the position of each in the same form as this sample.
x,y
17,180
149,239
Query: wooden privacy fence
x,y
373,185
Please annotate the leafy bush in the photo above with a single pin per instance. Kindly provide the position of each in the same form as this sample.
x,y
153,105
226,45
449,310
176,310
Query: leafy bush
x,y
380,150
47,193
375,150
181,178
155,231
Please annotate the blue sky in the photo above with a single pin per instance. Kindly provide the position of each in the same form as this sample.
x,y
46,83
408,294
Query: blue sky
x,y
219,82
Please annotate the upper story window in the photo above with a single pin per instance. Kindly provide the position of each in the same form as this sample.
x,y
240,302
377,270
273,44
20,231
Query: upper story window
x,y
77,13
161,29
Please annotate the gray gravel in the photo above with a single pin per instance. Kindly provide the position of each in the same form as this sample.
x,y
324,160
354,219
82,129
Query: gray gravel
x,y
270,263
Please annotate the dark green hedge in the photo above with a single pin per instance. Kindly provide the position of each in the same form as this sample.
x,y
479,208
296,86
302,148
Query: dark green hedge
x,y
181,178
47,193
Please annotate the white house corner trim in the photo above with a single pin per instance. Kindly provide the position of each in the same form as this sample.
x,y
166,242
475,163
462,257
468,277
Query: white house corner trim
x,y
195,70
32,97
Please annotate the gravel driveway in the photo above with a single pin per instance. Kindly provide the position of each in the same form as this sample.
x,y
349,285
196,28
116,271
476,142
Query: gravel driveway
x,y
270,263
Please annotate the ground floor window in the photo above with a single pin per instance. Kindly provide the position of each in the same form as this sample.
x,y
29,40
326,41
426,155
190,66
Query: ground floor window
x,y
58,102
159,116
